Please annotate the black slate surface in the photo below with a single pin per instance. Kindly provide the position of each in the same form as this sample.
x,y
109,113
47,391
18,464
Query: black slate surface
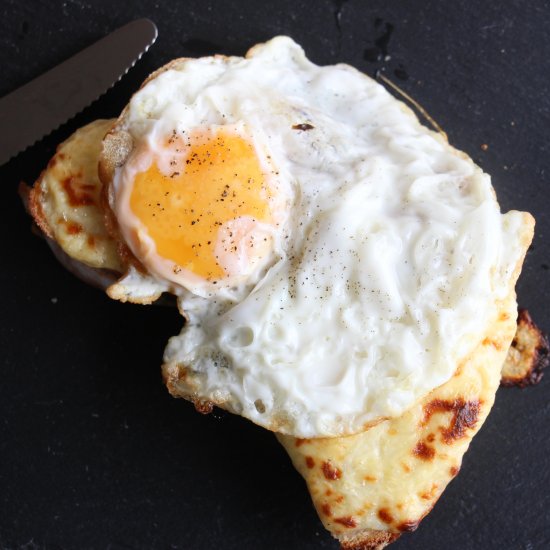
x,y
93,451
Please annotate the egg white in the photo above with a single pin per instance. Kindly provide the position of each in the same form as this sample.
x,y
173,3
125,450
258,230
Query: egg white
x,y
387,269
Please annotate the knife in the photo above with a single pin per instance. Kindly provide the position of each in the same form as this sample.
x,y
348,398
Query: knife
x,y
39,107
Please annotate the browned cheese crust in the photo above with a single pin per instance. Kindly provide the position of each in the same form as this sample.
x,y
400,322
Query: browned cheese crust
x,y
528,355
65,205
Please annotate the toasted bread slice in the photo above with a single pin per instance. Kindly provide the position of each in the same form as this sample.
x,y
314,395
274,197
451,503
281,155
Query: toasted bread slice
x,y
528,355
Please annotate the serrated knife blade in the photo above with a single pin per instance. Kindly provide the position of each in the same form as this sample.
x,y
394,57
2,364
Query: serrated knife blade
x,y
39,107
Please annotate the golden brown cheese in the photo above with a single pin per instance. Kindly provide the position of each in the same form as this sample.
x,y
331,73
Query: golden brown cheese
x,y
66,200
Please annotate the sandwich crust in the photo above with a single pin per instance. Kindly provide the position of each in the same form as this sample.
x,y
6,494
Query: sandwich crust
x,y
528,355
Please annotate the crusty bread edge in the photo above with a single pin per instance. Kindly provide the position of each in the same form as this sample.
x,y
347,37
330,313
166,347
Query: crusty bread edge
x,y
369,539
524,366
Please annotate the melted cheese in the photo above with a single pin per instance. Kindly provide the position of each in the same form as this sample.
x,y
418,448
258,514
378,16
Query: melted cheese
x,y
65,200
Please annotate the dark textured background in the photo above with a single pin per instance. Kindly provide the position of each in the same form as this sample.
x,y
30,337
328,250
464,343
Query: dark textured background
x,y
93,451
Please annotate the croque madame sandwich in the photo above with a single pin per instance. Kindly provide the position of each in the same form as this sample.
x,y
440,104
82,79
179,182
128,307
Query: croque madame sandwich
x,y
345,276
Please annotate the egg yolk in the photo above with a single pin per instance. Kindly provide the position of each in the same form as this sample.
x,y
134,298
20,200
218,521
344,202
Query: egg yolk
x,y
186,203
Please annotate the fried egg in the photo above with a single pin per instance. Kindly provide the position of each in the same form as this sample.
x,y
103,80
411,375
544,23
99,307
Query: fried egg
x,y
334,259
202,207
